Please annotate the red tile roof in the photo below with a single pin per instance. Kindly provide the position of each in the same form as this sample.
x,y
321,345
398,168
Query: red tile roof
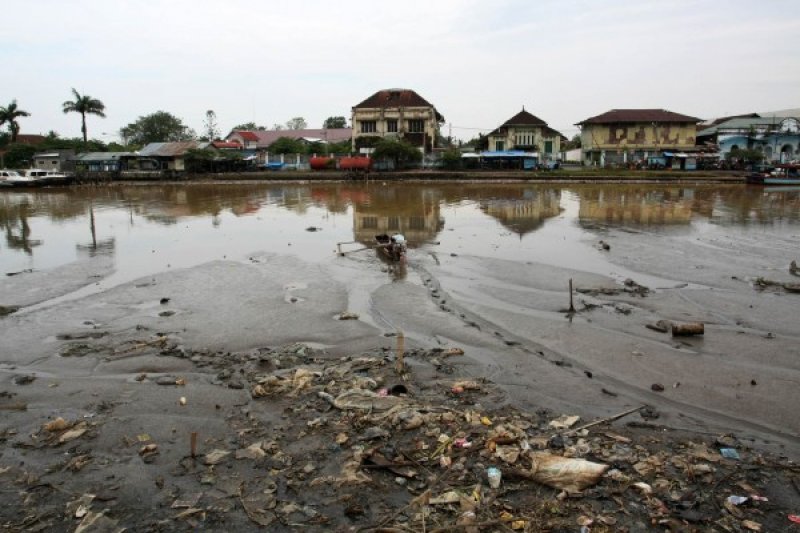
x,y
264,138
246,135
394,98
618,116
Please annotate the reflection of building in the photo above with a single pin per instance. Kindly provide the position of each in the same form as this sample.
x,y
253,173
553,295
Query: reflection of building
x,y
622,136
526,214
412,212
396,113
634,205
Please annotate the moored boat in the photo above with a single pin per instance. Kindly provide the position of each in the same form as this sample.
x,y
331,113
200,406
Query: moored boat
x,y
785,174
48,177
33,178
7,177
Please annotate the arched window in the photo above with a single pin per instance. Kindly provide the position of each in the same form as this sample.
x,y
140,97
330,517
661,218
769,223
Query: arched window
x,y
786,153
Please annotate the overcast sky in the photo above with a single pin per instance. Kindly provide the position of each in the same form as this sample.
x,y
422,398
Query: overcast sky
x,y
478,62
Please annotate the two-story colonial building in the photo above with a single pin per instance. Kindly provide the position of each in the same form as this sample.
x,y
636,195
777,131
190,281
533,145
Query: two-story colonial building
x,y
622,136
529,133
396,113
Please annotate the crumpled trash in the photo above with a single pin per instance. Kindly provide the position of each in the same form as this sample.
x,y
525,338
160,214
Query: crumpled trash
x,y
366,400
96,522
59,424
564,421
565,473
215,456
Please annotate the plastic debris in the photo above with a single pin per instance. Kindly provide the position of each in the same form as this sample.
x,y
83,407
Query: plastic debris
x,y
565,473
729,453
494,476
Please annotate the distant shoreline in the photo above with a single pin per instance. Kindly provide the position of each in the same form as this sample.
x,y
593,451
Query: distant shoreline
x,y
588,176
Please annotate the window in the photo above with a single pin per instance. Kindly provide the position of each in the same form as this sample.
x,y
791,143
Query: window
x,y
368,126
500,146
416,126
548,147
369,222
391,126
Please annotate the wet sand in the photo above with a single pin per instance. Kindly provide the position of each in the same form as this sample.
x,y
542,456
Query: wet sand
x,y
739,378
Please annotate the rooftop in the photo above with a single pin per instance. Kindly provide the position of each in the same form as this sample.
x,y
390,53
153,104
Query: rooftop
x,y
394,98
620,116
264,138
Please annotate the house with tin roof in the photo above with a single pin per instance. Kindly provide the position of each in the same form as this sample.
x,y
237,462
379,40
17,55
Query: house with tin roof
x,y
398,114
55,160
777,137
527,132
169,156
627,136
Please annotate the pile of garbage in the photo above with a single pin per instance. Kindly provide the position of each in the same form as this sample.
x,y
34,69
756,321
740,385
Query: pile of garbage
x,y
393,440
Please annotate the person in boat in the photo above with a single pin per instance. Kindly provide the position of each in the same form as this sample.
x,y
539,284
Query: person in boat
x,y
398,246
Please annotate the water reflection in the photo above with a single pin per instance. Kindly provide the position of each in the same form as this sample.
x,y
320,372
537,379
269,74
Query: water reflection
x,y
14,221
526,212
202,220
414,212
105,246
633,205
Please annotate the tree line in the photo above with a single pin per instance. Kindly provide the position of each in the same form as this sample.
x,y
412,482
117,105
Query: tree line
x,y
160,126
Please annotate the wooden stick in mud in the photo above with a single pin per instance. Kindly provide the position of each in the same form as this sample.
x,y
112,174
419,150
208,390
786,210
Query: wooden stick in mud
x,y
193,443
399,365
687,330
571,306
19,406
603,420
339,246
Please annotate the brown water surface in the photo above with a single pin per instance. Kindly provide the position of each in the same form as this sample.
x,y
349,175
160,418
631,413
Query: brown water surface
x,y
148,229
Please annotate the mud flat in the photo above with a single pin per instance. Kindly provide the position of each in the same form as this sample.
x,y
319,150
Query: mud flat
x,y
232,396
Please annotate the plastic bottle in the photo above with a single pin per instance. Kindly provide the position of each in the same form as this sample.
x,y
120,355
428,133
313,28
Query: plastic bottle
x,y
494,476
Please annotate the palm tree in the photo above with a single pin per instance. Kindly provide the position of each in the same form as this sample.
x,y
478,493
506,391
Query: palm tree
x,y
9,114
83,105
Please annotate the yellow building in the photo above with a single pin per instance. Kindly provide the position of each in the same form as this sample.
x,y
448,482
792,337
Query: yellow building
x,y
529,133
396,113
623,136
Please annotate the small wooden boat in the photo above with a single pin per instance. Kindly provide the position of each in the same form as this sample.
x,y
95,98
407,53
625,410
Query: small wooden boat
x,y
392,247
791,287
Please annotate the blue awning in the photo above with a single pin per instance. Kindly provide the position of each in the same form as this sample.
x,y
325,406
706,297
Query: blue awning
x,y
509,153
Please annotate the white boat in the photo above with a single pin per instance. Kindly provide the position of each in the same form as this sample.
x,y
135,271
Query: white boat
x,y
32,178
8,177
47,177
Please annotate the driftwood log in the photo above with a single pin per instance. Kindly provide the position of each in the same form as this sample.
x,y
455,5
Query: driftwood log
x,y
687,330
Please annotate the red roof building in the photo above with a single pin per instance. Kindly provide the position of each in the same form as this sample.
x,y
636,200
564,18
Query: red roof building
x,y
262,139
395,113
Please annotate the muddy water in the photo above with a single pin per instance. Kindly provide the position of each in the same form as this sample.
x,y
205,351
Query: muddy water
x,y
150,229
255,264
